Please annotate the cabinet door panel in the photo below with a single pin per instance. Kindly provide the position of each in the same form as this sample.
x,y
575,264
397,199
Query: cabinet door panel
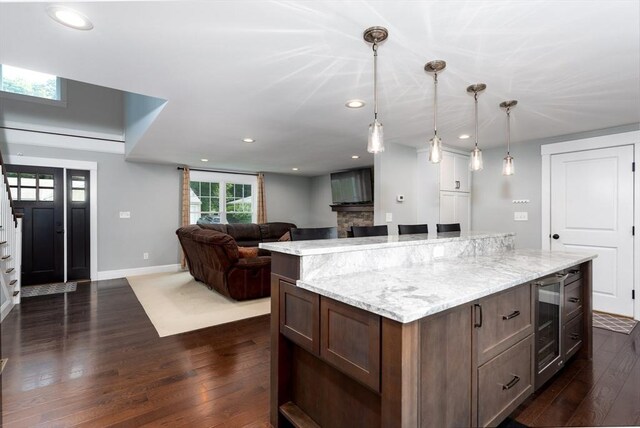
x,y
447,172
447,207
462,210
461,173
300,316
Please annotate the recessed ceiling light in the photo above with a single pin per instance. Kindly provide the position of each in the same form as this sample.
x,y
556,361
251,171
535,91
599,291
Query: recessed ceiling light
x,y
464,136
204,160
248,140
355,103
295,169
69,17
355,157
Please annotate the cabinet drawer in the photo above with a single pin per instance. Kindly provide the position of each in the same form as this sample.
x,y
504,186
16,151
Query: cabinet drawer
x,y
505,382
300,316
574,274
503,320
572,337
572,299
350,341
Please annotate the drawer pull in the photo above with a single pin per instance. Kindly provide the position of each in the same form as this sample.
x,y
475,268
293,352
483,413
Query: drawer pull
x,y
574,336
573,299
511,383
478,324
574,271
511,315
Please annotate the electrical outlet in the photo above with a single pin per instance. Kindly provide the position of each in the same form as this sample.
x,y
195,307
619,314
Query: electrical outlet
x,y
389,217
520,216
125,214
145,256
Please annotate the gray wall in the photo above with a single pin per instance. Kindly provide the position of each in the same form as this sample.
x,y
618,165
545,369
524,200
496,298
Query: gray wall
x,y
427,191
321,214
395,173
150,192
492,194
89,108
288,198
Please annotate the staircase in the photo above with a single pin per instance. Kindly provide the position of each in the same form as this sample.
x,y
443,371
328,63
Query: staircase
x,y
10,249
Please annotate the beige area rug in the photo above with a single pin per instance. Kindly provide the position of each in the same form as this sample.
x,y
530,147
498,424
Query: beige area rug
x,y
175,303
615,323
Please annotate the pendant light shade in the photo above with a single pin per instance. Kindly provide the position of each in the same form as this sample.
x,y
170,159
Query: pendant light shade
x,y
435,144
375,35
376,137
508,167
475,160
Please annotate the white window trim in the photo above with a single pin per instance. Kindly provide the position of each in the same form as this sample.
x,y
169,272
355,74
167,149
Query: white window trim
x,y
223,179
60,102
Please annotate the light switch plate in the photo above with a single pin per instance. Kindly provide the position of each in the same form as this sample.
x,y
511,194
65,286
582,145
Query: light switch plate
x,y
125,214
520,216
389,217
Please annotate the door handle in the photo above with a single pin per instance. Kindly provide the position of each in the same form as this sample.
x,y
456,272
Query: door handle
x,y
556,236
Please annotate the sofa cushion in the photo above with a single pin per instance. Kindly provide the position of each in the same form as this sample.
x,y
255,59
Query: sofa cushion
x,y
242,232
213,226
248,252
271,232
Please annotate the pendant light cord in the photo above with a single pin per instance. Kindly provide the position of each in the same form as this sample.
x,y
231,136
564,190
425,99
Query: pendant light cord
x,y
508,130
476,98
375,80
435,104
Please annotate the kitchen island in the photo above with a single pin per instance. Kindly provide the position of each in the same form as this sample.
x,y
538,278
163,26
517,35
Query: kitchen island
x,y
416,330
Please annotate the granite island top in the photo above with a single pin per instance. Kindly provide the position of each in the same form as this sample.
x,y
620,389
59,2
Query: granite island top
x,y
406,294
341,245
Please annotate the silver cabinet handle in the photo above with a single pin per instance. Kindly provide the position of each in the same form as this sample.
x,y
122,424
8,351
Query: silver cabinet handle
x,y
573,299
511,383
511,315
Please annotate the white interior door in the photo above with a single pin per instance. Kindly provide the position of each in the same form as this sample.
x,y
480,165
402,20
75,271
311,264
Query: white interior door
x,y
592,210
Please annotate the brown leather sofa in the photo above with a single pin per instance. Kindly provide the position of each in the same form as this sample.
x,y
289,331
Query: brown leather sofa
x,y
251,234
214,260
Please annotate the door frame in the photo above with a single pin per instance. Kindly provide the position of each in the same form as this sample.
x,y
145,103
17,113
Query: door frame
x,y
622,139
66,164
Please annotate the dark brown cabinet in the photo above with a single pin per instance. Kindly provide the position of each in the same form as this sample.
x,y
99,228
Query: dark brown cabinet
x,y
300,316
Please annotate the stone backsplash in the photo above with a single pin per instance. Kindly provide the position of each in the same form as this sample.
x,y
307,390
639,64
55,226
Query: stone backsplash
x,y
346,219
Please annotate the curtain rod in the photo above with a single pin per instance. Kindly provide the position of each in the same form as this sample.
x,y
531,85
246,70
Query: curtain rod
x,y
181,168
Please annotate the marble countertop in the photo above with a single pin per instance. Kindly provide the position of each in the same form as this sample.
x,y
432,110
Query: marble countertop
x,y
327,246
410,293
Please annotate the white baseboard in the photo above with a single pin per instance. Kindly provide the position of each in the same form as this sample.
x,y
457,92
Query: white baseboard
x,y
6,308
123,273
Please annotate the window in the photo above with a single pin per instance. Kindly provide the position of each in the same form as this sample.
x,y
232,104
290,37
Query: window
x,y
234,204
22,82
29,186
78,189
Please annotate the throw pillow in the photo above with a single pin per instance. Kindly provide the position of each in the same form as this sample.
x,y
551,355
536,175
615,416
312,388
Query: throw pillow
x,y
248,252
285,237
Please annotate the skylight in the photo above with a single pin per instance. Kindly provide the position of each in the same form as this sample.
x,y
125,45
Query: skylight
x,y
31,83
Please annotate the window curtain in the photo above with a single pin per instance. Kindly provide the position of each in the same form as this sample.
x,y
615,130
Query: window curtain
x,y
262,203
186,200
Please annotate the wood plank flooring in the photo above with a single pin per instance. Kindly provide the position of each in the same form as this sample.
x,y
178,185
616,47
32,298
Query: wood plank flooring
x,y
93,359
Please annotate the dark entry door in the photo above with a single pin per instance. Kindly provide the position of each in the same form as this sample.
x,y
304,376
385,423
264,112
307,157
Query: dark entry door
x,y
78,267
38,193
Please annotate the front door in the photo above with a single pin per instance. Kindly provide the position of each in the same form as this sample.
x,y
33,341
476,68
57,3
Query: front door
x,y
38,193
592,210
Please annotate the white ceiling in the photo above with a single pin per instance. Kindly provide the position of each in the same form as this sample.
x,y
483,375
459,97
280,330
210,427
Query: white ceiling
x,y
281,71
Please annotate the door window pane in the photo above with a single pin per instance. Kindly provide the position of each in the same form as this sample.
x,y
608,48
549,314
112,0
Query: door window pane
x,y
45,195
14,193
28,193
45,180
28,179
78,182
77,195
12,177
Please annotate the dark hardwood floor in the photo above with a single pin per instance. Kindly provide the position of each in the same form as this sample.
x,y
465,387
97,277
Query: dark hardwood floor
x,y
93,359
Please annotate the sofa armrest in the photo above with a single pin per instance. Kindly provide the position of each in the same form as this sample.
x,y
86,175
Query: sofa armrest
x,y
253,262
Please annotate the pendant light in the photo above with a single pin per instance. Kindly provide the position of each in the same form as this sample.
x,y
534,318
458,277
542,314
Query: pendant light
x,y
375,35
507,164
475,161
435,148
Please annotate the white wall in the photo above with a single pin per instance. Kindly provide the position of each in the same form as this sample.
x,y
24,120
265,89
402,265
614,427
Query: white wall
x,y
395,173
321,214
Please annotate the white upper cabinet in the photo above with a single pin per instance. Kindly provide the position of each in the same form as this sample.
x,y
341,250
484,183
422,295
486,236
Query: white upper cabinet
x,y
454,172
